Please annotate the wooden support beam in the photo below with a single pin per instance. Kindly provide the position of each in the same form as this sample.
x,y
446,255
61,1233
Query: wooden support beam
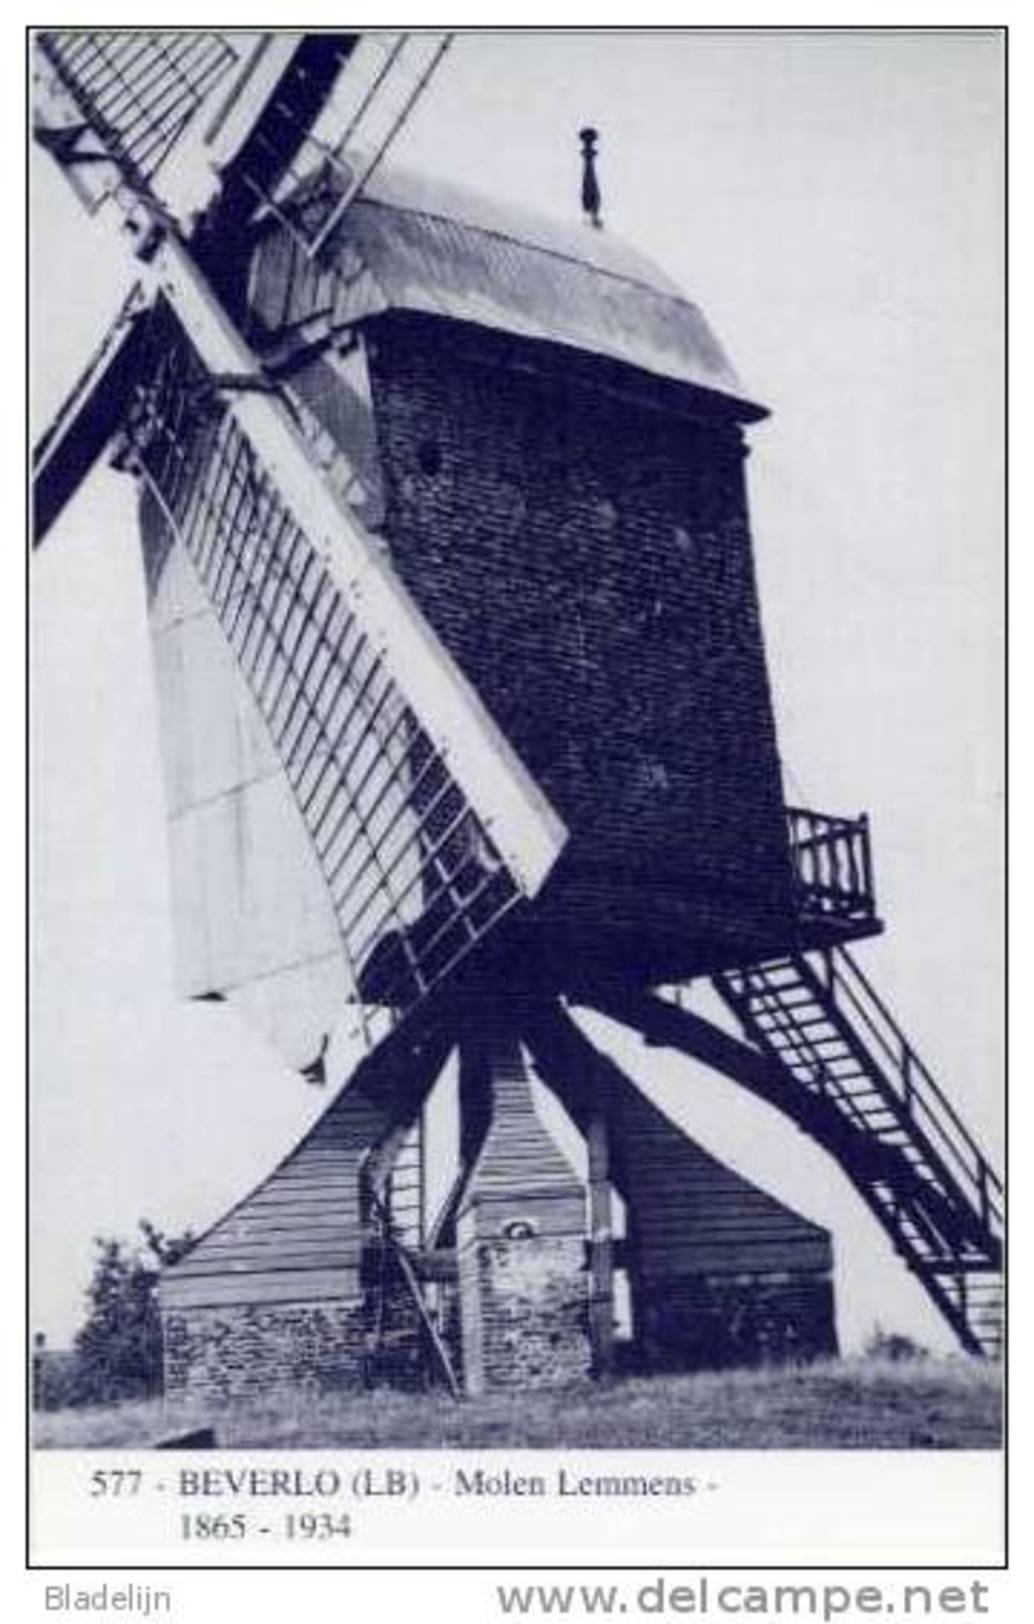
x,y
864,1157
601,1246
88,420
421,1149
668,1026
396,1079
475,1097
441,1352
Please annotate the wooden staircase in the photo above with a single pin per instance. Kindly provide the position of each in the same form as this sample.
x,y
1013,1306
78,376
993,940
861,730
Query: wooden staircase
x,y
836,1047
404,1345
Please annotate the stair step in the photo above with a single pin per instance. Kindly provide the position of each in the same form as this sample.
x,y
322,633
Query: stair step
x,y
773,1027
776,1020
805,1053
759,1000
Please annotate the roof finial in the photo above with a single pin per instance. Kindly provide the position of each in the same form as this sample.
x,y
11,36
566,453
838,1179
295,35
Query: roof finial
x,y
591,199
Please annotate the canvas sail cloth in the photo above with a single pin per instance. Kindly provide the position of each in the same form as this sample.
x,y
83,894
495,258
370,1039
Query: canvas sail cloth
x,y
252,916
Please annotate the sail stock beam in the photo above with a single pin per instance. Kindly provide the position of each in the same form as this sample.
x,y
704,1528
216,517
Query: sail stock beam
x,y
88,419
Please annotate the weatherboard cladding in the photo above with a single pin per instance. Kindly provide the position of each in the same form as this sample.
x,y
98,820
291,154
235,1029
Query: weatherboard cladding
x,y
566,504
690,1214
297,1236
519,1159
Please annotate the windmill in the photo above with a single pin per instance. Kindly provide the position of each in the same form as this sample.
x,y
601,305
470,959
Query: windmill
x,y
450,582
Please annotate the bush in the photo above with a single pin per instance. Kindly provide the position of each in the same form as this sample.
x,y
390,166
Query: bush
x,y
54,1377
893,1346
118,1349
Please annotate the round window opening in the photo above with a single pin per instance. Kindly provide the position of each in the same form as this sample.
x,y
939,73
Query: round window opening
x,y
520,1229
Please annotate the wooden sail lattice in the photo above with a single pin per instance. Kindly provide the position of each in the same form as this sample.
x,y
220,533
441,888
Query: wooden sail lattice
x,y
139,91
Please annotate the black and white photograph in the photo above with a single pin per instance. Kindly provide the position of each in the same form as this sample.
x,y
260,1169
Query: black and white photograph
x,y
516,624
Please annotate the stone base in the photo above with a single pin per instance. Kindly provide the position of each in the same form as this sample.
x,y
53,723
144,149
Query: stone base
x,y
712,1322
525,1313
246,1350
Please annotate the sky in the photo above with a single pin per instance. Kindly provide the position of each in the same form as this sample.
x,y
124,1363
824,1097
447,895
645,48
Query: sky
x,y
833,203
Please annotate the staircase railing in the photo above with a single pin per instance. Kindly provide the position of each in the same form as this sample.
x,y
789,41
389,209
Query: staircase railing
x,y
923,1174
925,1104
832,866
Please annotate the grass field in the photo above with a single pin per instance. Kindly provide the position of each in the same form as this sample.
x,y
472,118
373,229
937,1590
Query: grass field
x,y
865,1403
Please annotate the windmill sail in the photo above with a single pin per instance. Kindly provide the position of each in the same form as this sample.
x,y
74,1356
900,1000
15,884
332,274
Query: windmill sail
x,y
414,874
278,111
321,127
425,826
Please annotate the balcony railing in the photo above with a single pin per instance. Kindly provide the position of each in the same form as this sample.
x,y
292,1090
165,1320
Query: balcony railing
x,y
832,868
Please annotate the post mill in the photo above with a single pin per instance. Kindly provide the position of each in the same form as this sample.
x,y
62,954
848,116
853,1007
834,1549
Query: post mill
x,y
467,725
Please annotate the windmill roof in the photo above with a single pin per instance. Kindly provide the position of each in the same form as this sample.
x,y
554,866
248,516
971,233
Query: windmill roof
x,y
420,244
407,191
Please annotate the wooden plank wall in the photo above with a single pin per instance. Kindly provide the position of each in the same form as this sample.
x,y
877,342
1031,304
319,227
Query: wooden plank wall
x,y
298,1236
688,1213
